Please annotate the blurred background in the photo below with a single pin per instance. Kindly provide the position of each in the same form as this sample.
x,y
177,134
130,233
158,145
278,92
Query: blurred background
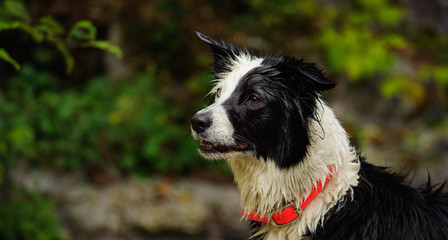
x,y
96,99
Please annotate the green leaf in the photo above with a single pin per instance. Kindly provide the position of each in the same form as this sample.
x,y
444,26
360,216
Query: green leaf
x,y
34,32
10,25
441,76
393,86
403,85
51,26
69,61
107,46
395,40
391,16
5,56
37,34
16,9
437,73
21,137
82,31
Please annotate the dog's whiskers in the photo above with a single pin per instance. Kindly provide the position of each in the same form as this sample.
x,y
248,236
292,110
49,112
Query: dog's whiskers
x,y
243,139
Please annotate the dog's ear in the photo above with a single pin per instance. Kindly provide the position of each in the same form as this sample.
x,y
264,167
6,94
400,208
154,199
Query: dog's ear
x,y
297,74
223,52
314,77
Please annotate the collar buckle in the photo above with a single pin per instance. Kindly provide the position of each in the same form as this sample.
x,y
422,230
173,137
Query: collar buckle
x,y
289,214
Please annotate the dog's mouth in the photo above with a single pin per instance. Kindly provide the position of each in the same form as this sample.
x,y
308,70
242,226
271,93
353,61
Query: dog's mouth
x,y
213,148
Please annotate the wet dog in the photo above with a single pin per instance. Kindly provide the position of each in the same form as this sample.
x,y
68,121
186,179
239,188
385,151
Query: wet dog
x,y
297,174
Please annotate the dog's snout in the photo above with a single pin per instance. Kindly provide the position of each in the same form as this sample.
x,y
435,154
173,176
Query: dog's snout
x,y
200,122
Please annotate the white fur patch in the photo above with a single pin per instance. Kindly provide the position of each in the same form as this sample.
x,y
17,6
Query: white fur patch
x,y
221,130
266,189
228,81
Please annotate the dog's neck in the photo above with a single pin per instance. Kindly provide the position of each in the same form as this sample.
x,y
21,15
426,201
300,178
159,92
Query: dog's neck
x,y
266,189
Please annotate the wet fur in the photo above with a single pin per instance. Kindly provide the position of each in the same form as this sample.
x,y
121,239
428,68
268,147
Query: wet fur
x,y
294,139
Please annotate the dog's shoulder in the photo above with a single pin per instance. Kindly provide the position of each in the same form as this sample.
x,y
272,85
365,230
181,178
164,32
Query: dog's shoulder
x,y
382,206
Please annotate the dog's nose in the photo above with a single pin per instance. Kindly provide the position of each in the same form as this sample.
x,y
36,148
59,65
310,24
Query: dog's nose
x,y
200,122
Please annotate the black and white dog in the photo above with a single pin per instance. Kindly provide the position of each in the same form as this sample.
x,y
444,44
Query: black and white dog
x,y
296,172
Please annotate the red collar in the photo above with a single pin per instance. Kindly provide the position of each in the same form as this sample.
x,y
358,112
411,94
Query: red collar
x,y
290,212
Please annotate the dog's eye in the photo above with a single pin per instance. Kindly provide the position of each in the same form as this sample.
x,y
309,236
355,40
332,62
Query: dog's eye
x,y
218,92
254,99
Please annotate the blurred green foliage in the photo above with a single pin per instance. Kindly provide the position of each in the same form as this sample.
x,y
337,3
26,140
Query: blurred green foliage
x,y
127,124
359,40
14,15
29,217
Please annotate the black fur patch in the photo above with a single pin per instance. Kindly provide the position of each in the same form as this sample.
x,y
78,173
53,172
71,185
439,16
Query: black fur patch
x,y
277,125
223,52
385,208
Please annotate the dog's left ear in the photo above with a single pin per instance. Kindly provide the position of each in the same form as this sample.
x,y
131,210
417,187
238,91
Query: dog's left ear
x,y
222,51
300,75
314,77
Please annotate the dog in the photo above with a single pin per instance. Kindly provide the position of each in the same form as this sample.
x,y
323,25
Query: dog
x,y
296,171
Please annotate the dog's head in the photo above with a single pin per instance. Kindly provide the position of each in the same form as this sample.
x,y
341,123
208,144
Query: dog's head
x,y
262,107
